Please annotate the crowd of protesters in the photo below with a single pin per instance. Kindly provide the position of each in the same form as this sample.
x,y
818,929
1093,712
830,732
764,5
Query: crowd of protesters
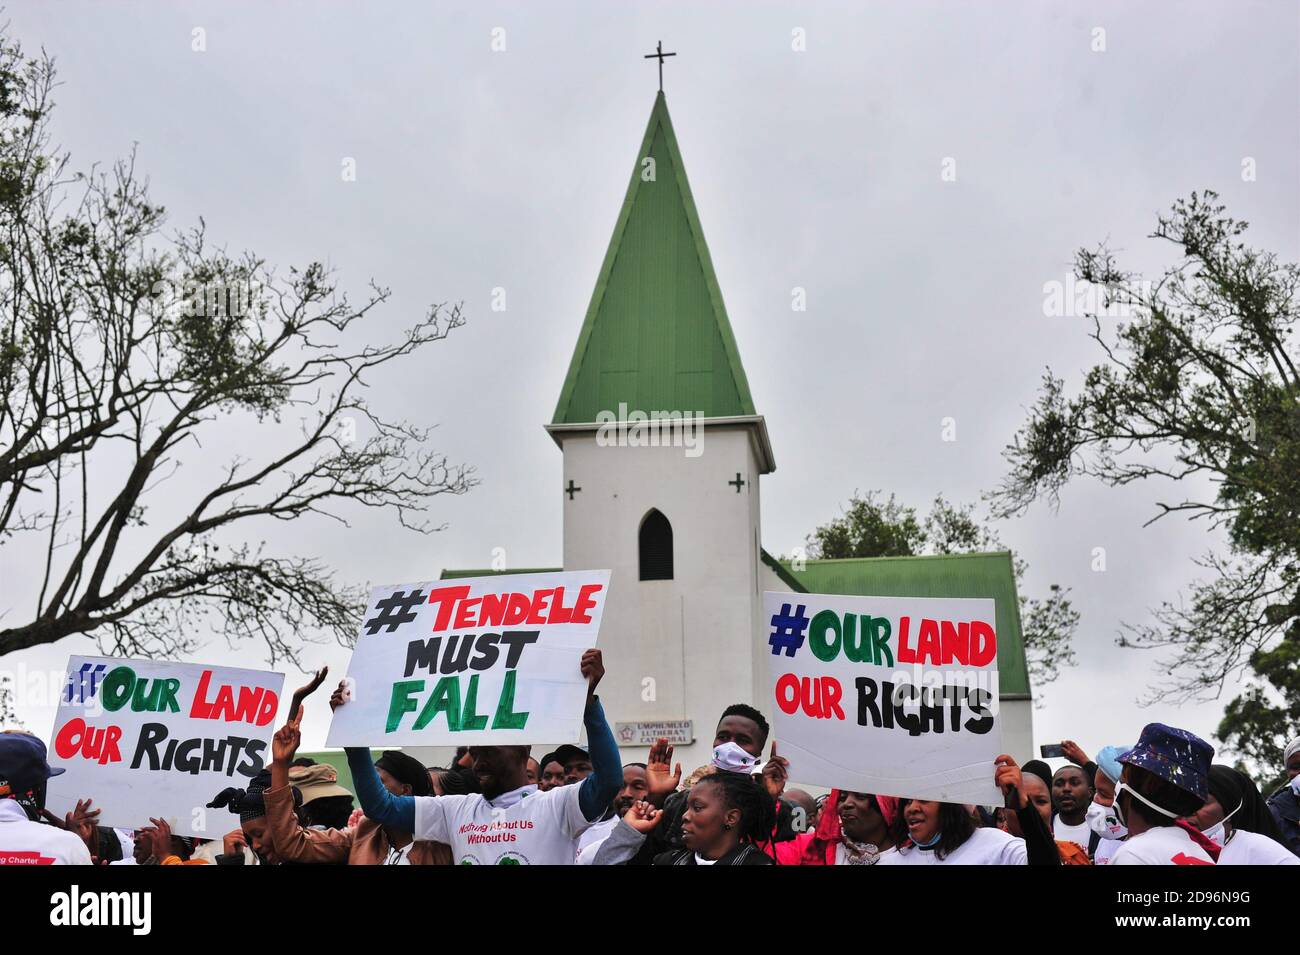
x,y
1156,800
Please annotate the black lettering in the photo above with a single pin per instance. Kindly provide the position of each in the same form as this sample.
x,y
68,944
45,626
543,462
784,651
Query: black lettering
x,y
460,645
867,691
486,647
516,640
187,760
151,734
978,700
253,748
422,654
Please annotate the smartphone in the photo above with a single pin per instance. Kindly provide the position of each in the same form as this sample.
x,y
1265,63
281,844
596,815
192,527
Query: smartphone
x,y
1051,751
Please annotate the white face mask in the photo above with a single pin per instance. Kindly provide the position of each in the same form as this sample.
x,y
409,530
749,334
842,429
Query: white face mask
x,y
1104,820
1215,831
730,758
1119,813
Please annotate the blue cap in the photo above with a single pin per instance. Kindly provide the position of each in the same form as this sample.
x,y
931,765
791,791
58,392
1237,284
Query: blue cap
x,y
1174,755
1108,761
22,763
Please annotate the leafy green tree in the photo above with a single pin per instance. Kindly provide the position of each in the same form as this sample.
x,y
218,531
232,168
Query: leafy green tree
x,y
1197,393
873,527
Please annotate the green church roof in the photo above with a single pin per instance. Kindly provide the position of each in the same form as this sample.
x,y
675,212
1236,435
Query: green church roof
x,y
656,334
945,575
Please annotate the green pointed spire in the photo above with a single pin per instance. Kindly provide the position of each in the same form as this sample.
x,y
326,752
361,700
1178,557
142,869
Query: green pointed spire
x,y
656,334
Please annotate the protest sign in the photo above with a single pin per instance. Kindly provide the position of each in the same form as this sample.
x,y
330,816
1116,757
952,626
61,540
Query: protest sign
x,y
481,660
893,696
153,738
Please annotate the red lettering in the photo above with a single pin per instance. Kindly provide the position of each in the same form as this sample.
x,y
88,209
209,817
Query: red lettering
x,y
956,642
905,653
445,598
493,610
927,644
787,693
585,602
199,709
516,610
68,740
832,692
983,644
270,703
75,738
540,598
559,612
465,612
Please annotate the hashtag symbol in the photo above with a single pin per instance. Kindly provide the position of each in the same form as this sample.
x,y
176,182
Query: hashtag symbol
x,y
394,610
788,630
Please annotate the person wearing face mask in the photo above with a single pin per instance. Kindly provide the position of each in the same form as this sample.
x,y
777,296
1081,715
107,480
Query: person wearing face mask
x,y
1107,832
1284,802
738,746
1237,818
941,833
1165,779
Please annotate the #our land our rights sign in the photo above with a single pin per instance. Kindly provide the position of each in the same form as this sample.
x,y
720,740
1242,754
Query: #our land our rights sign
x,y
895,696
474,661
153,738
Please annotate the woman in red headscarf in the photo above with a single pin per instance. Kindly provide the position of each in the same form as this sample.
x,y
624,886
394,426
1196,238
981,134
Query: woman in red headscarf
x,y
854,829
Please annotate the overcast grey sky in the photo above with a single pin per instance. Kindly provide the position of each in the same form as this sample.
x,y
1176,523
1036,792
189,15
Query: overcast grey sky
x,y
817,169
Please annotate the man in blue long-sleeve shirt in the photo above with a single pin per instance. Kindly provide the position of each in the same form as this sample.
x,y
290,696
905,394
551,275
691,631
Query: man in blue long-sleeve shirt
x,y
508,822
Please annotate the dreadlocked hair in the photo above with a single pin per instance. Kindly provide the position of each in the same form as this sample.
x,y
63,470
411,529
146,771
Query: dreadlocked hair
x,y
757,809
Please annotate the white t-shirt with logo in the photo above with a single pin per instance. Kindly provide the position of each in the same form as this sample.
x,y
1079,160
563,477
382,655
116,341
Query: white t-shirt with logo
x,y
521,827
1106,850
1163,845
1251,848
23,842
1066,833
984,847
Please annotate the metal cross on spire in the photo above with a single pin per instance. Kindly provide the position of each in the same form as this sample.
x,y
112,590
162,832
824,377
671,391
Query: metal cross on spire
x,y
659,55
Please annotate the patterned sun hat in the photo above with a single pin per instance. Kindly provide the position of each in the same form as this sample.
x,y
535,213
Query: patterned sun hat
x,y
1174,755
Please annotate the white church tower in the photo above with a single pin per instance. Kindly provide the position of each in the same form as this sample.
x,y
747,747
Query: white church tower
x,y
673,509
663,452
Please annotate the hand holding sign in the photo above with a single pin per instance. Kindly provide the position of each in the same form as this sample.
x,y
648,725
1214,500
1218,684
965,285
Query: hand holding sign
x,y
776,771
593,668
1010,780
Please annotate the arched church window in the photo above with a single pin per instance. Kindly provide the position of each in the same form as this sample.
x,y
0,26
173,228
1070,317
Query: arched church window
x,y
656,547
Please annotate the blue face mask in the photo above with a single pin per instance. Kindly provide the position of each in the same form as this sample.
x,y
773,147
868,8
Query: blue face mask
x,y
934,841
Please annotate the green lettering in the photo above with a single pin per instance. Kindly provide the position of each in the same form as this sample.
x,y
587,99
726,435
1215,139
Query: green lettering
x,y
822,624
880,631
400,702
117,686
445,698
506,718
470,720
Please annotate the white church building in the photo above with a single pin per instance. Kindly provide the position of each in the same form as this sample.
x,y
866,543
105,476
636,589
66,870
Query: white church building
x,y
676,514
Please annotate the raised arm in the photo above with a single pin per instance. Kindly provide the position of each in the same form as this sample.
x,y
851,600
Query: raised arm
x,y
377,803
606,779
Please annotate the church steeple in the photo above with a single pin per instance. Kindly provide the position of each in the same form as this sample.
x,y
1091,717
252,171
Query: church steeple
x,y
656,334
